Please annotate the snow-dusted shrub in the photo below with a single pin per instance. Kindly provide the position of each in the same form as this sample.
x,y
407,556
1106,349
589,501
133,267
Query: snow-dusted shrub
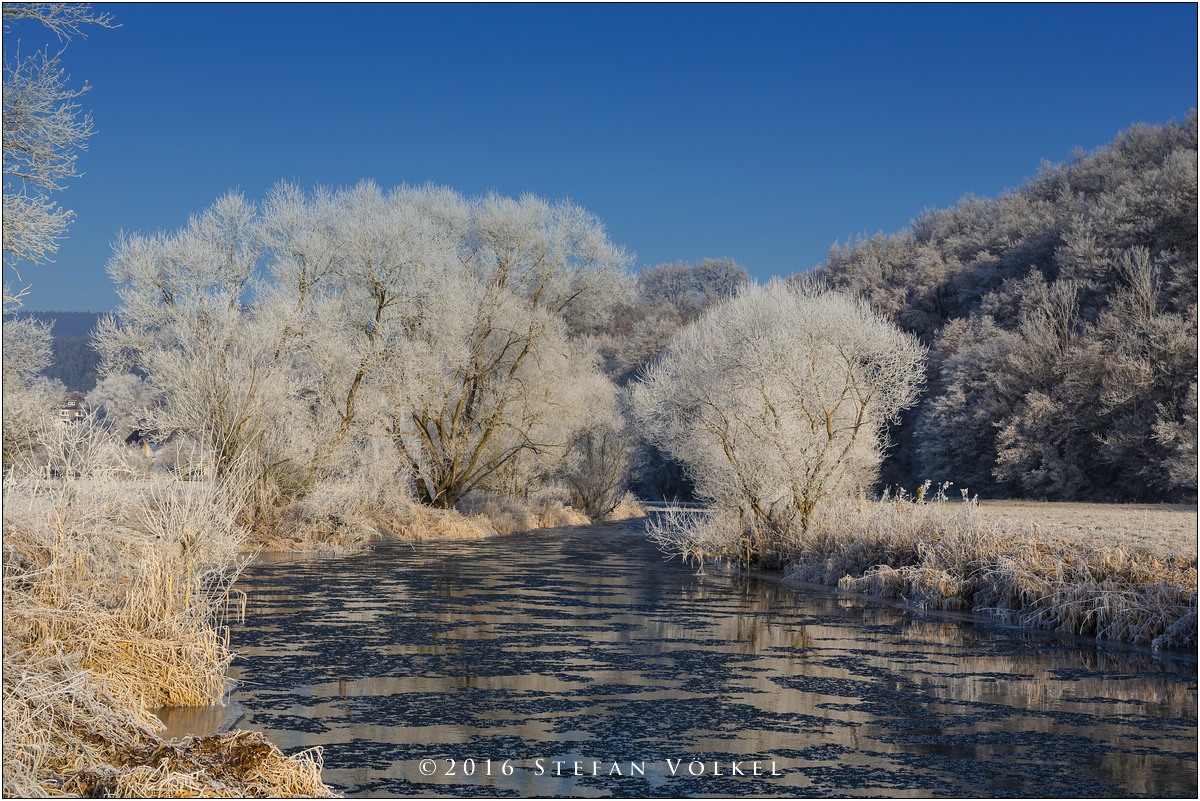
x,y
779,399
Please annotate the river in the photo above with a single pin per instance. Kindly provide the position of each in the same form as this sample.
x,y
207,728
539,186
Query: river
x,y
580,662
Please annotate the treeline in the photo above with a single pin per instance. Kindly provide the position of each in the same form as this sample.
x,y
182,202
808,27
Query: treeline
x,y
1061,322
645,314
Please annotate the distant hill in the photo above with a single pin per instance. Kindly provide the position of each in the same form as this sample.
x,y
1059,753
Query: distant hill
x,y
75,363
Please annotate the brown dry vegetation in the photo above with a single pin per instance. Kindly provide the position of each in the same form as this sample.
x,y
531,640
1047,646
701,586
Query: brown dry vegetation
x,y
233,765
117,588
487,515
349,520
628,508
508,515
1109,572
115,594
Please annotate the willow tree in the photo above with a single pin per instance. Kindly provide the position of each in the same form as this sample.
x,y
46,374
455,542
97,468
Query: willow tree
x,y
779,399
287,337
185,325
496,381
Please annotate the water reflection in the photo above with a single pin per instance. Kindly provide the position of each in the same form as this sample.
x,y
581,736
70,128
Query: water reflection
x,y
585,646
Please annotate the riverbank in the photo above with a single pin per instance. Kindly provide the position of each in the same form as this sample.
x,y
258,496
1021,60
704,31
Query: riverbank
x,y
1122,573
116,596
349,522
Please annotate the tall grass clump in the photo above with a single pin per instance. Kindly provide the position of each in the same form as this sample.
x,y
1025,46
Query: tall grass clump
x,y
716,535
117,587
628,508
548,507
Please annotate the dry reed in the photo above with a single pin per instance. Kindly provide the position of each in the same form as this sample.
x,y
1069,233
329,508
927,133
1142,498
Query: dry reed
x,y
426,524
342,515
627,508
950,556
506,515
116,588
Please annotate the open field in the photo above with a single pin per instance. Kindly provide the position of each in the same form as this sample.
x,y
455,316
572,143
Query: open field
x,y
1168,527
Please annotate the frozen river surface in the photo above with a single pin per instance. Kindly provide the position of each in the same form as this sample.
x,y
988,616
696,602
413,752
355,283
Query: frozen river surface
x,y
580,663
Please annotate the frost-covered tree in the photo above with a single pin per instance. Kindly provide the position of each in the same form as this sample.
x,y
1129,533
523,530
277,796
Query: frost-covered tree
x,y
666,297
597,468
497,379
692,287
29,398
120,402
209,355
182,322
780,398
288,338
44,131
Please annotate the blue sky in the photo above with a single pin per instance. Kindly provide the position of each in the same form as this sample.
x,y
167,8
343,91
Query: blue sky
x,y
760,132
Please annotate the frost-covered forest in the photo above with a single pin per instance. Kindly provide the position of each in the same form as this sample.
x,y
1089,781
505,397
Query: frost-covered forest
x,y
1060,321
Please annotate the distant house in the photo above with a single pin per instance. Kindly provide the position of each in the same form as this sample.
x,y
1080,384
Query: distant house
x,y
147,440
71,408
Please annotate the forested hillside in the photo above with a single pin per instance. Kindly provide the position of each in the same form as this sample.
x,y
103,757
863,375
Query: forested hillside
x,y
1061,321
75,362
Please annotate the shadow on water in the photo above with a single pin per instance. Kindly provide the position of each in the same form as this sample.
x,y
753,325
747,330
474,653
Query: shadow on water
x,y
581,663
